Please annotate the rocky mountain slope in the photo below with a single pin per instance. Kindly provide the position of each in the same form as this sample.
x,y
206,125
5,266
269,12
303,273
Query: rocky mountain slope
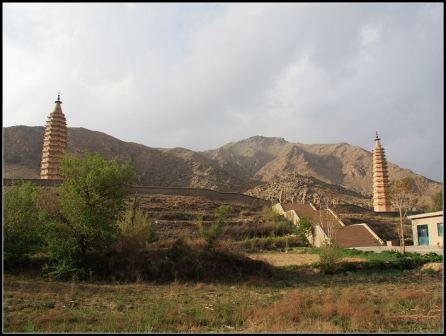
x,y
274,161
262,166
170,168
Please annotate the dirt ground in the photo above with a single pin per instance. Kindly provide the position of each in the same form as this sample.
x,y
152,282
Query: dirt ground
x,y
288,259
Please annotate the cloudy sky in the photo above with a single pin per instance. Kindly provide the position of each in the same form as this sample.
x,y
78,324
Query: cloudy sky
x,y
201,75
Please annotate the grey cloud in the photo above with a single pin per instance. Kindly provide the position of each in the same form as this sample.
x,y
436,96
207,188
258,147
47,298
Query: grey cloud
x,y
198,76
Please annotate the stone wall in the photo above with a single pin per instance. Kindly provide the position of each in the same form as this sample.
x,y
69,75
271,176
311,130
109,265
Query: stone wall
x,y
148,190
37,182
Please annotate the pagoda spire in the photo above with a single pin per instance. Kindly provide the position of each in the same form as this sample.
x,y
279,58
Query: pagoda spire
x,y
381,188
58,101
54,143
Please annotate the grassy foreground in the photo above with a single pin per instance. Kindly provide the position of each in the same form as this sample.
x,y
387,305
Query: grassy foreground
x,y
385,301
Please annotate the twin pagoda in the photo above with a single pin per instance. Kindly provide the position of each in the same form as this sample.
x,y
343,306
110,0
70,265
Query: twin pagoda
x,y
55,144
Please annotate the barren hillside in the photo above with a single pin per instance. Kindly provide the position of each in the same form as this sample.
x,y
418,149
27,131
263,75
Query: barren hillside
x,y
262,166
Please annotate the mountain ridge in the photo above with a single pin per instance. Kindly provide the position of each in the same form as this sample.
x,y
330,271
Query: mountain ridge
x,y
257,165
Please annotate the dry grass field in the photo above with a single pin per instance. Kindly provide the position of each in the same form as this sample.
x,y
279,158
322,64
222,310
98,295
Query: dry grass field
x,y
191,287
388,301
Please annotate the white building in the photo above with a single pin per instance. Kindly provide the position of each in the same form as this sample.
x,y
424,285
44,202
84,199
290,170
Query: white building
x,y
427,229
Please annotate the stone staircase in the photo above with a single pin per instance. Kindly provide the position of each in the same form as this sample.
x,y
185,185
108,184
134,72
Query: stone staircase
x,y
323,218
355,235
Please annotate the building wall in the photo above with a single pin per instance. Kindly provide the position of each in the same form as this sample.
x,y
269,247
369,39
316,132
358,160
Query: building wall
x,y
278,209
319,237
431,222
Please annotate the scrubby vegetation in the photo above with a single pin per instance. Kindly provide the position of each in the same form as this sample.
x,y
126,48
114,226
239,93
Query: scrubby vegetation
x,y
183,261
95,233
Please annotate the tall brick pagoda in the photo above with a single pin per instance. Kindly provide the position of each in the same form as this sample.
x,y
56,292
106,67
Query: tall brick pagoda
x,y
381,187
54,143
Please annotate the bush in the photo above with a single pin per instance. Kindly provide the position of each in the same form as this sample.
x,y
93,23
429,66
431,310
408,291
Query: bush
x,y
212,234
24,216
269,243
304,228
329,259
432,257
136,227
136,231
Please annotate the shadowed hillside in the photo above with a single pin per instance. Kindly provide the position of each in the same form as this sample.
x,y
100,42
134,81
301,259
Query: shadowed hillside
x,y
170,168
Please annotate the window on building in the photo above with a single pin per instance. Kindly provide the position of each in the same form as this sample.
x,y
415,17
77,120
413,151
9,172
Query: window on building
x,y
423,234
440,229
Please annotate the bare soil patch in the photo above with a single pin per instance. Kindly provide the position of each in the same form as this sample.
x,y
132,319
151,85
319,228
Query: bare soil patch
x,y
279,259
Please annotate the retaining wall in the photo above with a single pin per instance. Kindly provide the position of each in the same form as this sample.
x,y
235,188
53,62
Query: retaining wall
x,y
150,190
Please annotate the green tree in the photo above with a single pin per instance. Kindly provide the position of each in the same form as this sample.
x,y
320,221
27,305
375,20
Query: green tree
x,y
23,221
92,200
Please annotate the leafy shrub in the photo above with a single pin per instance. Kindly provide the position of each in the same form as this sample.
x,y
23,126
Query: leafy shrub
x,y
330,257
223,211
136,227
432,257
304,228
212,234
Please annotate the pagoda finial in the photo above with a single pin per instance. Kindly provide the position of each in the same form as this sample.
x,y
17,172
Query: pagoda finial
x,y
377,137
58,98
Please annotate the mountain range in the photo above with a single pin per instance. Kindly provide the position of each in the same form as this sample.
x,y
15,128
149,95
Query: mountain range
x,y
267,167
